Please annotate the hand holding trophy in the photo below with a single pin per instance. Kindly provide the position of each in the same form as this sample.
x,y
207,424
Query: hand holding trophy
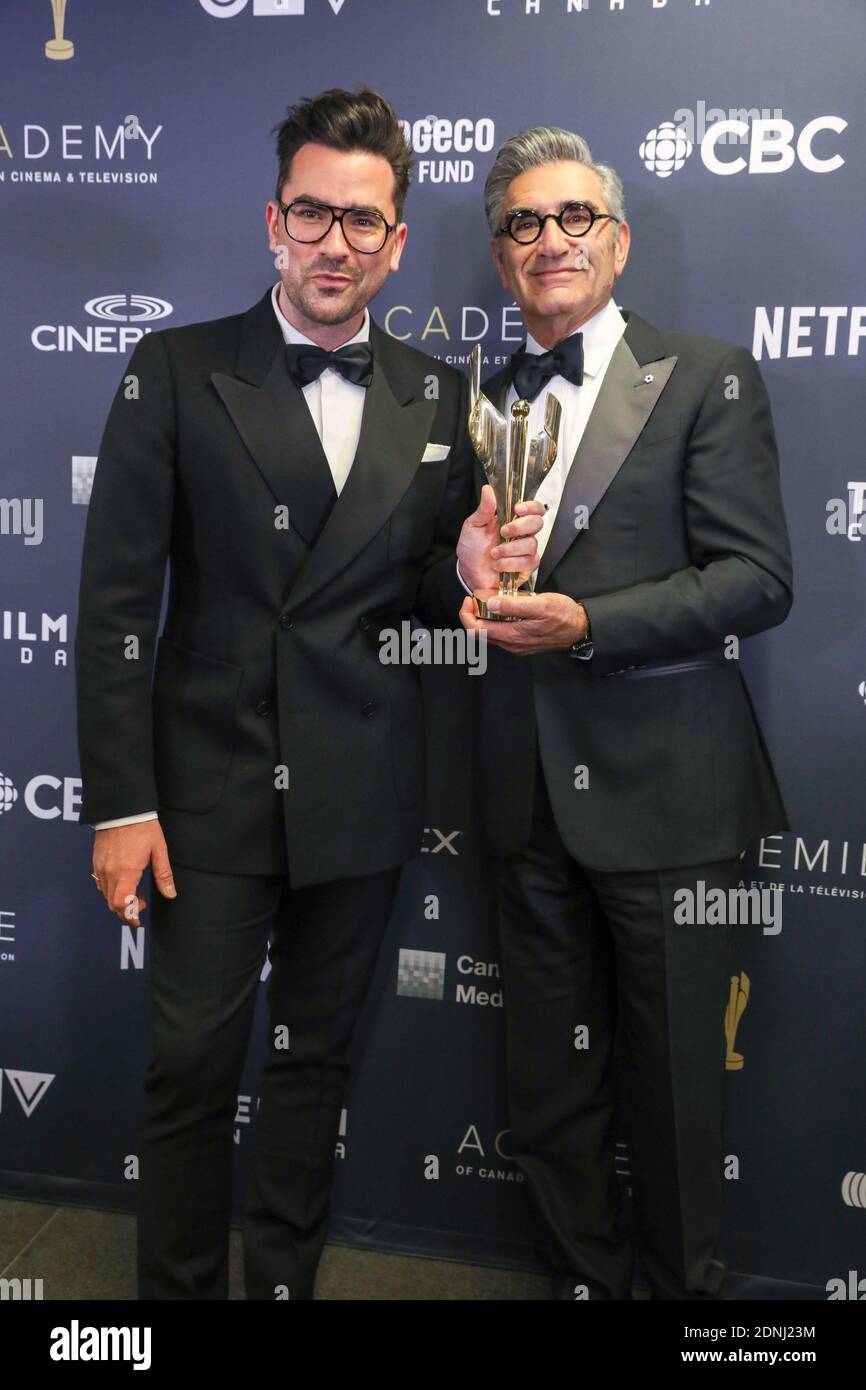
x,y
515,467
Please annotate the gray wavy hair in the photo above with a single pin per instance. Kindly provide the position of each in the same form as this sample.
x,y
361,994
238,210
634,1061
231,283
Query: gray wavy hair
x,y
545,145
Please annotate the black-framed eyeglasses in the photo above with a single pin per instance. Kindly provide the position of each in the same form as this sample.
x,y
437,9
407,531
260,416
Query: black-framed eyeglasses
x,y
525,225
364,230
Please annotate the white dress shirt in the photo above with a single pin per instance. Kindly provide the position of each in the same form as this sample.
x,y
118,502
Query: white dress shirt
x,y
337,408
336,405
601,333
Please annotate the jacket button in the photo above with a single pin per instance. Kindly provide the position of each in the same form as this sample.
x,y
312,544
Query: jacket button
x,y
364,623
263,707
368,709
286,622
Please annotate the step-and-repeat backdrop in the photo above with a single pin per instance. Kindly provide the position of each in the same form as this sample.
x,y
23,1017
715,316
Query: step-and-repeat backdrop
x,y
135,163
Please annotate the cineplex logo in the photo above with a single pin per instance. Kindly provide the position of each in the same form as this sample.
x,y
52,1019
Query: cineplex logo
x,y
126,318
773,145
264,9
28,1087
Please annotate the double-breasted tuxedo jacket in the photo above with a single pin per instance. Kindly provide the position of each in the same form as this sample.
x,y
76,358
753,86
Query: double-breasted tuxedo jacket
x,y
671,529
269,656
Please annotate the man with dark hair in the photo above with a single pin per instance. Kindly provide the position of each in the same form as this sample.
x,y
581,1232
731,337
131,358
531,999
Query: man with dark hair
x,y
306,475
636,771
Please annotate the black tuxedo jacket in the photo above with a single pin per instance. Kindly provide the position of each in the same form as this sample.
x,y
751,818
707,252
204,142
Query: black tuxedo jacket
x,y
685,546
267,670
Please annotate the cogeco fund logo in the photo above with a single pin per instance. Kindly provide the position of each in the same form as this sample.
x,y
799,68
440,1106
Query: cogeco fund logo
x,y
125,319
444,144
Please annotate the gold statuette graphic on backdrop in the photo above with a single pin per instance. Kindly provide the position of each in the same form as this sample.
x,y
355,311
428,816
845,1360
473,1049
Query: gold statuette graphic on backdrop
x,y
59,47
515,467
738,999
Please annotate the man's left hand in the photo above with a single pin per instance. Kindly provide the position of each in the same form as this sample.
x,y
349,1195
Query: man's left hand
x,y
484,550
549,622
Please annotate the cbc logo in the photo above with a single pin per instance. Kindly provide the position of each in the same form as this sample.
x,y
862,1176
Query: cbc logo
x,y
439,136
774,146
66,804
665,149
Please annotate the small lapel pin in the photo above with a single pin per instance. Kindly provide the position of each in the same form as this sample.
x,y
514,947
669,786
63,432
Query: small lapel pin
x,y
648,378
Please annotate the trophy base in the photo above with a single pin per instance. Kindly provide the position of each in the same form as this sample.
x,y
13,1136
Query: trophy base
x,y
59,48
734,1061
481,605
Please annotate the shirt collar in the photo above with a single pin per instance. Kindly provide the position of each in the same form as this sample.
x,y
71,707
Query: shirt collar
x,y
292,335
601,333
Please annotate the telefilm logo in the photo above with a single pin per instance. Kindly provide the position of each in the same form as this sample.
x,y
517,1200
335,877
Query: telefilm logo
x,y
444,144
45,797
28,1087
38,635
821,860
77,153
125,318
762,144
262,9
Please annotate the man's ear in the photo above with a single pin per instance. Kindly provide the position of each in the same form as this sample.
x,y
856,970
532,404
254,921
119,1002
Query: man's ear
x,y
622,248
496,253
397,245
271,215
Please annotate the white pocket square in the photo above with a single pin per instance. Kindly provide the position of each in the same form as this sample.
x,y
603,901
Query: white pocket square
x,y
435,453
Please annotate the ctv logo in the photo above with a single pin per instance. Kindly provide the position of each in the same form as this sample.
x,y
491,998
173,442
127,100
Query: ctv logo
x,y
773,146
227,9
27,1086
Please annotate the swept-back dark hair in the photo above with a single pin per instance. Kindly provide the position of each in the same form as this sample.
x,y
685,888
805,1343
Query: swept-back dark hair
x,y
361,120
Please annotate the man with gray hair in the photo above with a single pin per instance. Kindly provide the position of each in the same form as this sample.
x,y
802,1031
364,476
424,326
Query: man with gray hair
x,y
635,764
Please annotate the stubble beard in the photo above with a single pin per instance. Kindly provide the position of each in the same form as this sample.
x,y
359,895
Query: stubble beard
x,y
324,306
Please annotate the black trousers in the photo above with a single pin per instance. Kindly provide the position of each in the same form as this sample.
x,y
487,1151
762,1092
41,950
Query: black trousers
x,y
207,950
602,952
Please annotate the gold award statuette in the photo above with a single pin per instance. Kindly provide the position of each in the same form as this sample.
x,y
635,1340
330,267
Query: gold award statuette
x,y
59,47
515,468
738,999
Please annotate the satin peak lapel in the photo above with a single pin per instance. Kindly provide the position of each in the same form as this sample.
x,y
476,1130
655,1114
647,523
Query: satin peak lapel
x,y
622,408
390,448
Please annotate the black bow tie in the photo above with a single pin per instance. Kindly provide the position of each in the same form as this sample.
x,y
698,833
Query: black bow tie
x,y
354,362
530,371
